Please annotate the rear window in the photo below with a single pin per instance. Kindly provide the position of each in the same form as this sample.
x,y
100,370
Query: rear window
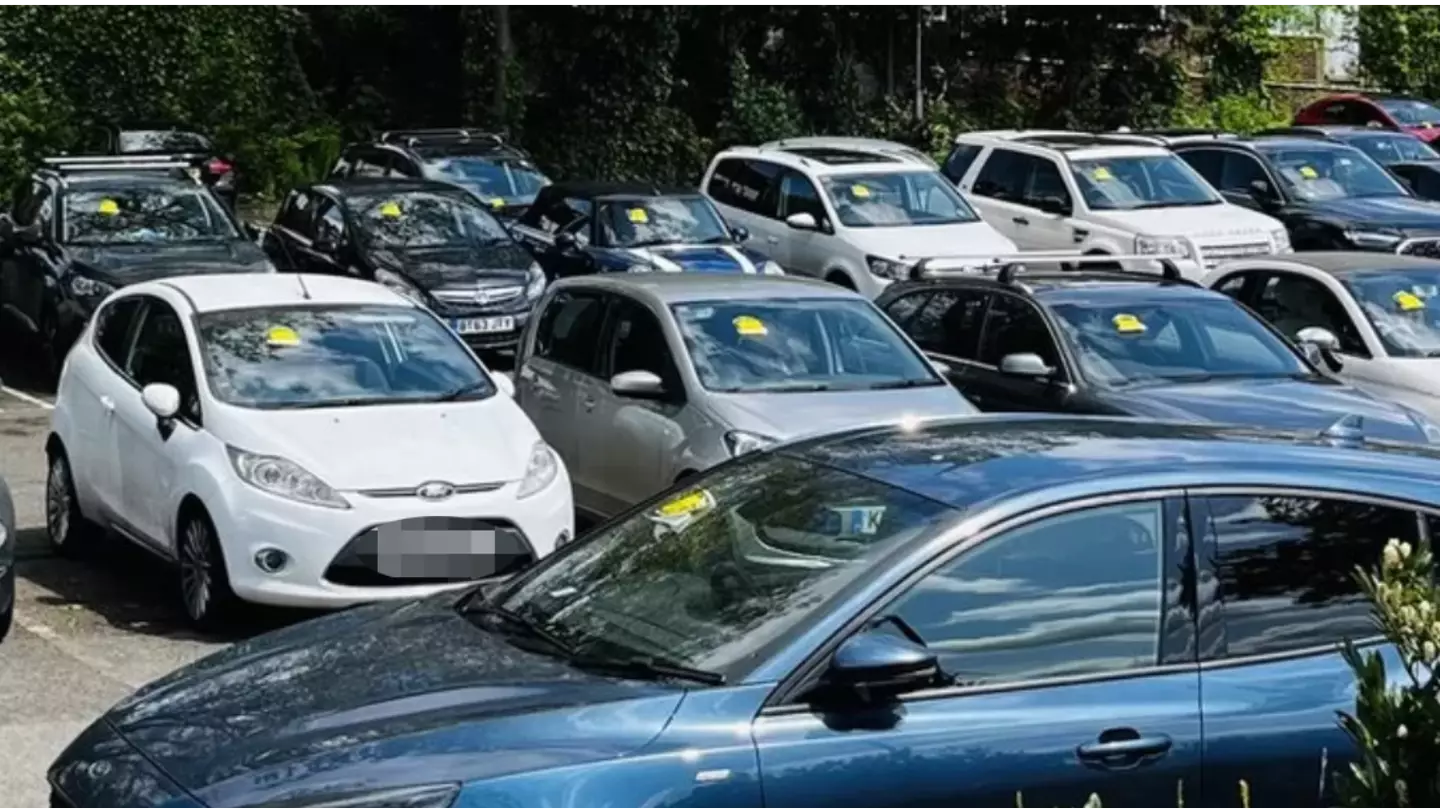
x,y
148,141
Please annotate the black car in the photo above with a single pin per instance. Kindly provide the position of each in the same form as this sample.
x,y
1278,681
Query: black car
x,y
79,229
499,173
1331,196
197,151
432,242
1413,161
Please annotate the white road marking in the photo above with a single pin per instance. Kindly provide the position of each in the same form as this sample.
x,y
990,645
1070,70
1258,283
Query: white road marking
x,y
75,651
33,400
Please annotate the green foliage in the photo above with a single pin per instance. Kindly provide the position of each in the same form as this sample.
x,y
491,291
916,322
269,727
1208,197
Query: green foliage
x,y
1400,47
1238,112
759,110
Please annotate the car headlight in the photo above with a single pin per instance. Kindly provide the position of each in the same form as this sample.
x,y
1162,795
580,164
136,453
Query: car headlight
x,y
416,796
398,283
284,478
1374,240
770,268
1280,240
540,470
640,268
86,287
740,442
535,283
887,268
1176,247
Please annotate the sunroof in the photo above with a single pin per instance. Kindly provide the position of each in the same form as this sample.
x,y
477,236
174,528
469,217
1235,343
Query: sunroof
x,y
841,157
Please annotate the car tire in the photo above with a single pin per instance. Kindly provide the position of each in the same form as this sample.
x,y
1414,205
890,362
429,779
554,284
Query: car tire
x,y
7,613
204,581
70,533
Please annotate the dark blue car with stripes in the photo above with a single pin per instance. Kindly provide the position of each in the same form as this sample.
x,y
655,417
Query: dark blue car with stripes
x,y
581,228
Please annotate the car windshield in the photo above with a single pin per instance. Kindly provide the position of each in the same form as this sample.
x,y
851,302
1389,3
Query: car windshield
x,y
1387,149
145,215
1397,304
640,221
817,344
1174,340
155,141
1131,183
508,179
897,199
335,356
1410,112
411,220
1331,173
711,576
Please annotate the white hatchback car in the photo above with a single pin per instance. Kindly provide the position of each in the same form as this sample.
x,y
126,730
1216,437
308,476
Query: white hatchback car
x,y
296,440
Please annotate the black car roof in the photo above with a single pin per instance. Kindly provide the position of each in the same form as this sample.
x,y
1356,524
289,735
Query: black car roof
x,y
1040,281
1343,262
591,189
383,185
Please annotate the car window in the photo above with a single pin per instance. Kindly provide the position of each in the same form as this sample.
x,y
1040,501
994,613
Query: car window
x,y
329,219
1240,172
153,214
162,355
297,213
1234,285
142,141
1286,568
505,178
569,331
893,199
1014,326
27,205
744,184
1403,306
1133,183
1411,112
1046,186
798,196
950,323
1207,162
638,344
344,165
642,221
423,220
815,344
1331,172
713,575
958,163
1075,594
1394,148
1003,176
112,329
901,309
371,163
1291,303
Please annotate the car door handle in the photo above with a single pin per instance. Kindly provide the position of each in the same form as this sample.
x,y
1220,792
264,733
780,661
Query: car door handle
x,y
1020,220
587,402
107,403
1122,749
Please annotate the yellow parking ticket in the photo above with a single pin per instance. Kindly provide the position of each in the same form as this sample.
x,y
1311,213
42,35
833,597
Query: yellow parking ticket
x,y
282,336
109,208
639,216
1127,324
1408,301
390,210
1308,173
750,326
1102,174
860,191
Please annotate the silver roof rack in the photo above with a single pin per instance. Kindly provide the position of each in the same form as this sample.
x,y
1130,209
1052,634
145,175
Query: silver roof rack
x,y
70,166
1007,266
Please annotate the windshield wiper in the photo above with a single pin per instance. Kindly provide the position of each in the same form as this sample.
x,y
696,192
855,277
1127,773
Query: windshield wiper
x,y
349,402
464,390
647,666
880,386
787,389
528,627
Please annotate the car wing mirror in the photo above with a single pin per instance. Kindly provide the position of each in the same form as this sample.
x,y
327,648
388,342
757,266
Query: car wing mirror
x,y
803,221
1320,347
565,242
637,385
879,665
326,243
740,232
505,384
1025,364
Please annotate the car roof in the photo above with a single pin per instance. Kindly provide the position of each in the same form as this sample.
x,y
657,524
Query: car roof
x,y
123,179
384,185
673,288
221,291
1075,145
1342,262
967,462
1064,284
841,149
601,188
859,163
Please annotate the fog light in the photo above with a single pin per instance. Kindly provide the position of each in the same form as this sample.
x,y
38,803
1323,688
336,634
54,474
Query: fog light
x,y
271,560
562,539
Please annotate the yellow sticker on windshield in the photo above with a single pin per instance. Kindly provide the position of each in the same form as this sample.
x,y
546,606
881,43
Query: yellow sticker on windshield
x,y
860,191
639,216
109,208
390,210
1127,324
687,504
1408,301
282,336
497,203
1308,173
1102,174
750,326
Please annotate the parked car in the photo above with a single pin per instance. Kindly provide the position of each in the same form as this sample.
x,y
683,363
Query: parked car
x,y
1109,342
641,380
824,147
1370,318
960,613
428,241
296,440
1413,161
7,560
78,231
1329,195
579,228
1415,116
1104,194
202,160
500,174
854,219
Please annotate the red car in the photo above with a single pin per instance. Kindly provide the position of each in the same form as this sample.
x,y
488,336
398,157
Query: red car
x,y
1419,118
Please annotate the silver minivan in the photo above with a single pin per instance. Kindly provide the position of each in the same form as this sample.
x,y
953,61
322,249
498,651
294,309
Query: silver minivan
x,y
639,380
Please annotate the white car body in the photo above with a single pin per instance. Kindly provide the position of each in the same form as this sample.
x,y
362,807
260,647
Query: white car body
x,y
133,479
833,251
879,148
1196,237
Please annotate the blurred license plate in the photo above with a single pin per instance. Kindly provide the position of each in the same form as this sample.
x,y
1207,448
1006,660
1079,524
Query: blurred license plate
x,y
484,326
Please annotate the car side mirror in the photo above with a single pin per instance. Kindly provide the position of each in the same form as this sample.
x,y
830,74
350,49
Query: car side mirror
x,y
740,232
163,400
637,385
803,221
877,665
1024,364
1262,192
565,242
326,243
1052,204
504,384
1320,347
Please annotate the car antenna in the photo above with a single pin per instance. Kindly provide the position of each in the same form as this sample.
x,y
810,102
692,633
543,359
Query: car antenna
x,y
304,291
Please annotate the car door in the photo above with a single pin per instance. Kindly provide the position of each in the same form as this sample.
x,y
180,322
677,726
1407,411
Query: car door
x,y
945,323
289,236
1070,642
745,190
1245,181
1049,224
151,452
90,393
1014,325
28,265
998,193
327,250
1278,592
803,252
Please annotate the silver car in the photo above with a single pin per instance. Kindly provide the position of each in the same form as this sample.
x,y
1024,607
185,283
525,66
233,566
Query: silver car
x,y
1371,318
639,380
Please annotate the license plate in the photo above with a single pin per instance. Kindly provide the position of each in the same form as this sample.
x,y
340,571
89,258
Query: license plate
x,y
484,326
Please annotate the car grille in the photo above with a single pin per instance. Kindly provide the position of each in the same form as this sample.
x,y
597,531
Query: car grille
x,y
431,550
1214,254
1428,248
478,296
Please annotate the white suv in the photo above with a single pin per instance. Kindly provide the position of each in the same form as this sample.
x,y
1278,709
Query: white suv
x,y
817,145
854,218
1105,194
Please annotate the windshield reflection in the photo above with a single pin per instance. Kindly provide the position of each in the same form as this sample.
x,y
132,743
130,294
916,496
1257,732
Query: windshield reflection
x,y
1401,305
425,220
154,215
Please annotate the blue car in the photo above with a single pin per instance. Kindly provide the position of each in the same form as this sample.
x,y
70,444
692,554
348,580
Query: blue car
x,y
945,613
1113,343
580,228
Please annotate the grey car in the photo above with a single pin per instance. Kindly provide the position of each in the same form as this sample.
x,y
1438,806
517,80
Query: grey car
x,y
7,560
639,380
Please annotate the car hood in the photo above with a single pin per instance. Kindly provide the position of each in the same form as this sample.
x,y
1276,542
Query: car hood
x,y
1277,404
927,241
477,265
1200,222
688,258
1385,213
786,416
387,695
119,265
402,445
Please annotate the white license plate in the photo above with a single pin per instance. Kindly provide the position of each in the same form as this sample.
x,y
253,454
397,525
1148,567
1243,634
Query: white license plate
x,y
484,326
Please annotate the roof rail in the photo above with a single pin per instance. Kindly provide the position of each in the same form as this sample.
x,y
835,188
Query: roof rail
x,y
411,137
1166,136
1296,131
67,167
1096,138
1007,266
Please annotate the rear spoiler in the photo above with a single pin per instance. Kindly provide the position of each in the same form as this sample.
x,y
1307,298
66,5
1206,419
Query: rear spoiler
x,y
1007,265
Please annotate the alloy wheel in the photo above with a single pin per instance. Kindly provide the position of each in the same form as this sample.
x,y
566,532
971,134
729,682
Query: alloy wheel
x,y
196,577
58,501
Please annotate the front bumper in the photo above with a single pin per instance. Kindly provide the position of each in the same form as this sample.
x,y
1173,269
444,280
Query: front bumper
x,y
322,548
455,317
100,769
